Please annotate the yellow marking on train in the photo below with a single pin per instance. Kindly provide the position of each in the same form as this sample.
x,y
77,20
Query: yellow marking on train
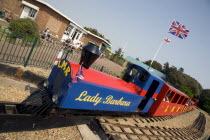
x,y
64,66
173,108
166,108
177,109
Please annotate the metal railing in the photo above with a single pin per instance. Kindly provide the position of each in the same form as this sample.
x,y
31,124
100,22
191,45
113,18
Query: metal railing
x,y
31,51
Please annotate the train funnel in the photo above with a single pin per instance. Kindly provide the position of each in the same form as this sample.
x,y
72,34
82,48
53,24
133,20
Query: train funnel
x,y
90,53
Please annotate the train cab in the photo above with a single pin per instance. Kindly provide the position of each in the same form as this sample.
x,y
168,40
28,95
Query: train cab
x,y
148,84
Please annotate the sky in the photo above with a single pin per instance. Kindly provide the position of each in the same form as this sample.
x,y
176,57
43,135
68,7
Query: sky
x,y
142,25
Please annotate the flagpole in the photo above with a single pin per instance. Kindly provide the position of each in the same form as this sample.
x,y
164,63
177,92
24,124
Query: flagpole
x,y
123,48
156,54
157,51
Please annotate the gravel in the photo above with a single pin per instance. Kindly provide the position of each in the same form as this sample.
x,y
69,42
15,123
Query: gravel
x,y
11,94
64,133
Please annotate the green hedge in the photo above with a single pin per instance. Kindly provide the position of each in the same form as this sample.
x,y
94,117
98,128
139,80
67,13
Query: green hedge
x,y
24,27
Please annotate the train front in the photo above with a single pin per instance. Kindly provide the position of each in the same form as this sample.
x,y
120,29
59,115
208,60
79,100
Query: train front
x,y
76,86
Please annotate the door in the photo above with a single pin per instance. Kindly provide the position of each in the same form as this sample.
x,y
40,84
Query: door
x,y
153,87
74,34
67,33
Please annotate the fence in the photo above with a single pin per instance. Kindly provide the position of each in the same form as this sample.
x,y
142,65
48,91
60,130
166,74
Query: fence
x,y
30,51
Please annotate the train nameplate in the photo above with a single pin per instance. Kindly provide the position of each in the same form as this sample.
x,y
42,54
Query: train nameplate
x,y
97,99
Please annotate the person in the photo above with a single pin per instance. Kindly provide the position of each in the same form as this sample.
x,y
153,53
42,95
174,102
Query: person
x,y
68,43
47,34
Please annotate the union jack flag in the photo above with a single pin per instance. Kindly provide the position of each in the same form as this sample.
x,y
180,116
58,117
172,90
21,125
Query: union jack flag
x,y
80,75
167,41
178,30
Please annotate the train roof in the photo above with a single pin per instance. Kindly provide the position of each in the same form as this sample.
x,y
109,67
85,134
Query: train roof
x,y
157,77
173,88
152,70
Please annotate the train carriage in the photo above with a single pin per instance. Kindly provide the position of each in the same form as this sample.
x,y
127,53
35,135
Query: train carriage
x,y
171,101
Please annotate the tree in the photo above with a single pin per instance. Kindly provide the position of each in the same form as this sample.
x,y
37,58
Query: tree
x,y
203,99
137,58
181,69
95,31
155,65
119,52
178,79
187,90
206,104
165,68
205,93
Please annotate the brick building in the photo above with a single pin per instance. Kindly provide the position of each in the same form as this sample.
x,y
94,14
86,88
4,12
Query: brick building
x,y
47,16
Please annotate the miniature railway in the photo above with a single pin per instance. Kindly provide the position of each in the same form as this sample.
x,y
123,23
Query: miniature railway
x,y
135,125
120,128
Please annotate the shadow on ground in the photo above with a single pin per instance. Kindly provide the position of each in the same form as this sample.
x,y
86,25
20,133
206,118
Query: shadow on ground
x,y
20,123
18,73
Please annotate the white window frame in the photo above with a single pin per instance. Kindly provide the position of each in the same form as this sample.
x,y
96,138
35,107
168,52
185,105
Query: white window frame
x,y
33,9
30,5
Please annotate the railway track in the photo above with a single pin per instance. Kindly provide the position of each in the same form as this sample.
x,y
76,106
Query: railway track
x,y
134,128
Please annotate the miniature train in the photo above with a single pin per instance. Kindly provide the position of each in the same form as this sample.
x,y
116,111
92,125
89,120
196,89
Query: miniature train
x,y
76,86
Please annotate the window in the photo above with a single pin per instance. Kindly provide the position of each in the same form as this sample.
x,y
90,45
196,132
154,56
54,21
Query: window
x,y
143,76
185,100
29,12
181,99
32,13
68,30
133,71
175,99
75,35
78,34
169,96
130,73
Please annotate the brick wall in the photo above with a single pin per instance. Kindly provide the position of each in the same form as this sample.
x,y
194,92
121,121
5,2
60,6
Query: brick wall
x,y
89,37
14,6
47,18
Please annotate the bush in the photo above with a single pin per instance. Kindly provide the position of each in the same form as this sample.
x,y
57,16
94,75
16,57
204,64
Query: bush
x,y
24,27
